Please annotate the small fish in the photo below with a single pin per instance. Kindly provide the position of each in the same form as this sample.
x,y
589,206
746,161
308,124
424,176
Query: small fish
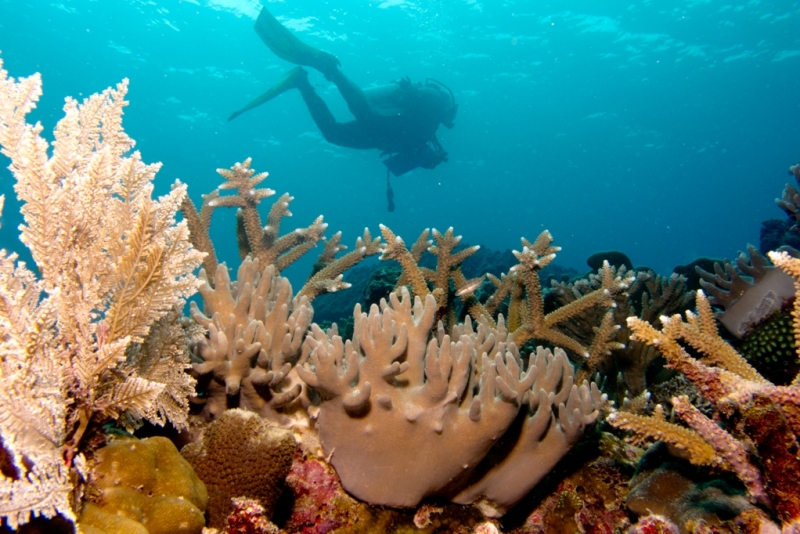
x,y
470,286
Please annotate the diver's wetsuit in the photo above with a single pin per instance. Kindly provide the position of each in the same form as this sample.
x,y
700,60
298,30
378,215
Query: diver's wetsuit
x,y
408,131
399,119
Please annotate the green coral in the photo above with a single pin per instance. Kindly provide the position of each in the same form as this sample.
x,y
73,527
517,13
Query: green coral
x,y
770,348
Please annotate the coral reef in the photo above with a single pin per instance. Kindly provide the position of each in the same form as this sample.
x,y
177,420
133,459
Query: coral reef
x,y
396,383
581,495
451,405
673,488
241,455
143,486
320,504
112,262
757,414
654,524
521,288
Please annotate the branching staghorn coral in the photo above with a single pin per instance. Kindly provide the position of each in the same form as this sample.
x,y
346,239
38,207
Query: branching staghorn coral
x,y
255,330
328,278
446,400
757,414
448,267
648,296
113,263
526,317
265,243
532,320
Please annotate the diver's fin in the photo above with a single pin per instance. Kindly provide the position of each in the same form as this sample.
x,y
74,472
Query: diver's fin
x,y
291,80
286,45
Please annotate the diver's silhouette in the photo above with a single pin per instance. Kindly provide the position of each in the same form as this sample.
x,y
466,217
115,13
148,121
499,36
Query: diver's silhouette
x,y
400,118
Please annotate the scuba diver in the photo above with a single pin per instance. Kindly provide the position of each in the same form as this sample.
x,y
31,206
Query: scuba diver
x,y
400,118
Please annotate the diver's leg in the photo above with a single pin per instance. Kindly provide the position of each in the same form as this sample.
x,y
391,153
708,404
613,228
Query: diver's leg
x,y
289,81
348,134
286,45
357,103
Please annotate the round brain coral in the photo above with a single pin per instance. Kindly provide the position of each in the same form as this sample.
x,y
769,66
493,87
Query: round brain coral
x,y
241,455
143,487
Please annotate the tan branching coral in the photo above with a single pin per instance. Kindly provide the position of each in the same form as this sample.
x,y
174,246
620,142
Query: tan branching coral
x,y
722,372
657,296
447,399
655,427
255,330
448,265
328,278
199,224
265,243
648,296
112,263
529,313
521,287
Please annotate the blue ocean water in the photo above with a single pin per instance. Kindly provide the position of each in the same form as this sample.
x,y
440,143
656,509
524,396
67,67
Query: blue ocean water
x,y
663,129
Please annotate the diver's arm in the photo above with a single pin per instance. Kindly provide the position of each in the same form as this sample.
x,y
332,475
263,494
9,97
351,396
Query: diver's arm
x,y
438,149
437,146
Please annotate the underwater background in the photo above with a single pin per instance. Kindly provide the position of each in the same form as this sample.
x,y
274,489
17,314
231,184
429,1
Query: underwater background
x,y
663,129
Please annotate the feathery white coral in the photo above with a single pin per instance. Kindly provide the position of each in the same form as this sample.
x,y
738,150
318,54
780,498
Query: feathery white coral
x,y
112,262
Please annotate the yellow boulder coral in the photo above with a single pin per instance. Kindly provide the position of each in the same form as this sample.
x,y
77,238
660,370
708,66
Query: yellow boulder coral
x,y
144,487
